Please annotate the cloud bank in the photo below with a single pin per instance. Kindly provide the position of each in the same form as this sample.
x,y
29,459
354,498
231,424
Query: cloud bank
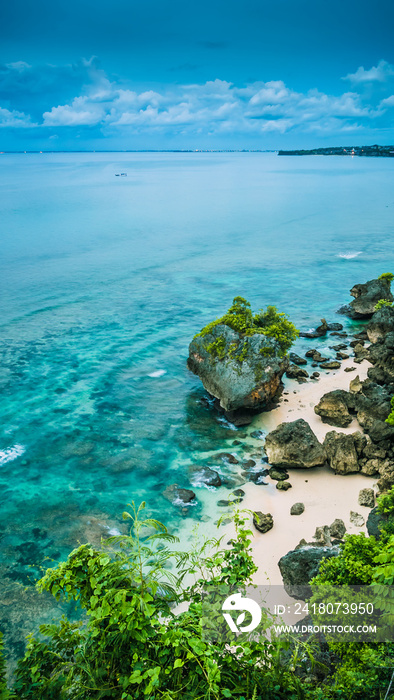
x,y
34,98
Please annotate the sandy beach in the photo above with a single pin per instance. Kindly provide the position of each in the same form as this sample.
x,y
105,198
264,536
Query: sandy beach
x,y
326,495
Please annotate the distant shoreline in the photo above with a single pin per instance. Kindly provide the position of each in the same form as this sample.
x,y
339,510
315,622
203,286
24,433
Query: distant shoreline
x,y
363,151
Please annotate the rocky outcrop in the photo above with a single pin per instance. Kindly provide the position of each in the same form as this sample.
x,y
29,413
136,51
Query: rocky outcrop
x,y
240,371
366,296
381,323
300,565
381,355
263,521
341,452
333,408
294,445
295,372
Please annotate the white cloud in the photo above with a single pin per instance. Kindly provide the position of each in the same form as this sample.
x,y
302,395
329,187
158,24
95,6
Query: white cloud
x,y
379,73
216,106
14,119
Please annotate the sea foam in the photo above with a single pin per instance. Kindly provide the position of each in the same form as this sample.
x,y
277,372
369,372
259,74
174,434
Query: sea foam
x,y
350,255
11,453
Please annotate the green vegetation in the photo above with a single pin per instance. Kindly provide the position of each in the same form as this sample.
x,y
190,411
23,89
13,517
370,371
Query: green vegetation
x,y
270,323
386,276
390,417
131,646
381,303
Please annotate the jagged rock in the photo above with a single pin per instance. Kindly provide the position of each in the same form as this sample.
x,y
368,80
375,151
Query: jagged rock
x,y
333,364
356,519
283,485
322,330
254,386
278,474
381,355
333,408
386,480
294,445
342,356
296,359
370,467
375,522
203,475
372,451
178,496
360,352
295,372
337,529
360,442
349,369
297,509
381,323
373,405
366,296
322,536
340,346
318,357
341,452
300,565
263,521
366,497
355,385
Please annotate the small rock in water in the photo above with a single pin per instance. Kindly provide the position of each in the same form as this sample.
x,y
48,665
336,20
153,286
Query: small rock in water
x,y
356,519
297,509
257,434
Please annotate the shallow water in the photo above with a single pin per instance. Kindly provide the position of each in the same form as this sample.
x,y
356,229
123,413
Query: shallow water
x,y
104,280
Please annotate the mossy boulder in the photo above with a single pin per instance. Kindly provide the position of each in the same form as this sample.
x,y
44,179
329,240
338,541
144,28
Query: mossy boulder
x,y
240,358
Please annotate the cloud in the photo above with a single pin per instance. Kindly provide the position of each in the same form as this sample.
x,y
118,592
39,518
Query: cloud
x,y
380,73
14,119
106,106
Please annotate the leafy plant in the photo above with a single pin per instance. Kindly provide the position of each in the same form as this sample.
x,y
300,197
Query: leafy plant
x,y
271,323
386,276
382,303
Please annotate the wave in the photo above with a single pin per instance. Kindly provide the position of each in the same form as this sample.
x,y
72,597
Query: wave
x,y
11,453
349,255
158,373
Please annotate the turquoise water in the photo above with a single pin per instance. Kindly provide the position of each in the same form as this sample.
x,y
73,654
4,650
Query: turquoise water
x,y
105,279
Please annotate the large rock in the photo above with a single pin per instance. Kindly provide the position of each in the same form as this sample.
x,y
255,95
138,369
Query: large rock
x,y
381,323
294,445
341,452
240,371
381,355
300,565
367,295
178,496
375,522
333,408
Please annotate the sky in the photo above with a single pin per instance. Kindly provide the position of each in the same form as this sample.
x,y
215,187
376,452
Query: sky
x,y
217,74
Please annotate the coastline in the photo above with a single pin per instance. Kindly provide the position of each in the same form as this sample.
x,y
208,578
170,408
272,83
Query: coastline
x,y
326,495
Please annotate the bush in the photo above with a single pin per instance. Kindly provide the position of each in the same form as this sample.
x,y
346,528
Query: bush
x,y
381,303
386,276
271,323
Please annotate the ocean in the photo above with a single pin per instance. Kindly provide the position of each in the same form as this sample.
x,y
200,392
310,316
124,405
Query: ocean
x,y
104,281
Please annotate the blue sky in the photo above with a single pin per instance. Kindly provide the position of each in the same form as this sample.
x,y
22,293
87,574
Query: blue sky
x,y
220,74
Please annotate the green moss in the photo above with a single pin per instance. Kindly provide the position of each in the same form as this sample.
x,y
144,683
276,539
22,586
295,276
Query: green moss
x,y
386,276
271,323
381,303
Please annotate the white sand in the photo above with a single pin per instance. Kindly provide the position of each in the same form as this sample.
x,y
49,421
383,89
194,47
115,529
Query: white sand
x,y
326,496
